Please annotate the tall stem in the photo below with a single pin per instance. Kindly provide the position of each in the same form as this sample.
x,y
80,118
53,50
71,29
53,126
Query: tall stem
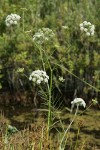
x,y
68,127
42,58
23,20
41,55
49,87
49,103
77,138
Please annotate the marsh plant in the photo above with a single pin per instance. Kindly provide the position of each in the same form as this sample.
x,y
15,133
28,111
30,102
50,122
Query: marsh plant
x,y
39,77
76,102
36,48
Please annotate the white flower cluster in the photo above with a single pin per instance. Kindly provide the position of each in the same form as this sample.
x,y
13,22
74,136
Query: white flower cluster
x,y
39,76
78,101
12,19
43,35
88,28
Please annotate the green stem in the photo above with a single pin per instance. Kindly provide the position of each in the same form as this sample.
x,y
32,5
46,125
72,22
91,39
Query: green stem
x,y
23,20
60,147
49,87
41,55
86,109
77,138
42,58
49,108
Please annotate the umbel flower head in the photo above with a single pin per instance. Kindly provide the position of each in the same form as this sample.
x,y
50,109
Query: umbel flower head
x,y
87,28
12,19
79,102
43,35
39,76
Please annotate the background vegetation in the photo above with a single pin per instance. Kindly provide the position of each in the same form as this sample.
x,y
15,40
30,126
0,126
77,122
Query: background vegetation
x,y
74,51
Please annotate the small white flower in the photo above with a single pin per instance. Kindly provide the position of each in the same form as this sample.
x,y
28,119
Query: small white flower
x,y
46,80
81,24
38,81
81,28
18,17
88,23
7,24
36,75
47,77
92,26
44,73
85,22
30,78
13,18
92,33
91,30
33,79
87,33
32,74
78,101
8,19
41,78
11,21
85,29
15,22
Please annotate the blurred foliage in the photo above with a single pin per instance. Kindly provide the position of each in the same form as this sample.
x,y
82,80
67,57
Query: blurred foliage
x,y
78,53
